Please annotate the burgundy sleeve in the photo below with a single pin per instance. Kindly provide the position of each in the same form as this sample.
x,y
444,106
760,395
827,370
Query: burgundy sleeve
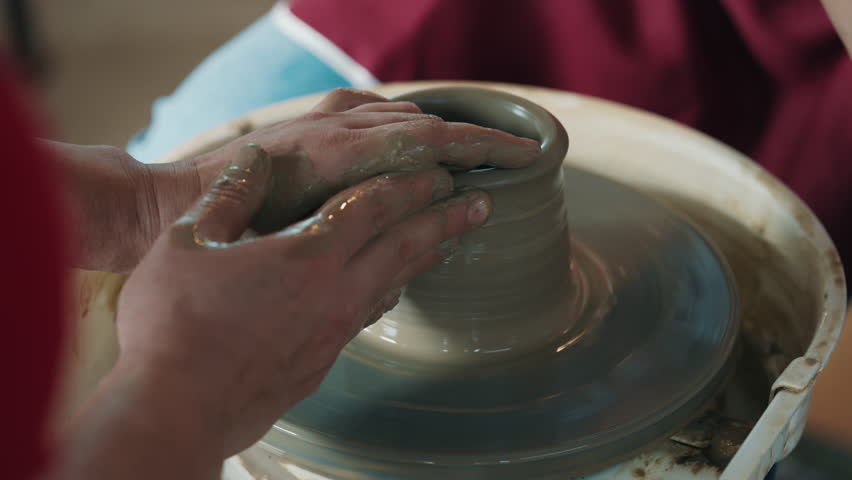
x,y
33,259
769,78
807,136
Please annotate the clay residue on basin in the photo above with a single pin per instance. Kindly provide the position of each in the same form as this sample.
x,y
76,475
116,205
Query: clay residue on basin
x,y
773,300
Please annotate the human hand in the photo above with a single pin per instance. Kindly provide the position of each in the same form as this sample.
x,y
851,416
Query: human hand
x,y
249,327
351,136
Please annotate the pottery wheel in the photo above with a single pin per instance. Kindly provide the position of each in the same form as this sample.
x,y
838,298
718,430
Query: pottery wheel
x,y
651,344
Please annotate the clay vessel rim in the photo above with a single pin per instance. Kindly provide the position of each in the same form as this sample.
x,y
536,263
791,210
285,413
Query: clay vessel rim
x,y
553,138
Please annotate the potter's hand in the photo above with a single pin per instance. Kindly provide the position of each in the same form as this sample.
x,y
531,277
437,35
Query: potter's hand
x,y
119,205
122,205
351,136
253,325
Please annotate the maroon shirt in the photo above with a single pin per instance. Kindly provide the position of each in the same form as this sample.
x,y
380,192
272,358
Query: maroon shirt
x,y
768,77
35,266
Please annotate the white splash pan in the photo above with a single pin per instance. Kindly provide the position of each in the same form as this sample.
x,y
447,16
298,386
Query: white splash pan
x,y
792,290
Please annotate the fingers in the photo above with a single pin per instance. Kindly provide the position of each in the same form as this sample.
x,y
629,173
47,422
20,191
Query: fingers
x,y
364,120
346,222
225,210
462,144
378,111
386,106
415,244
343,99
358,214
386,304
442,252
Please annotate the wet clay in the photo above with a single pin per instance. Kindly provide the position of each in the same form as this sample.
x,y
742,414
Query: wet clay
x,y
561,350
297,188
294,193
506,288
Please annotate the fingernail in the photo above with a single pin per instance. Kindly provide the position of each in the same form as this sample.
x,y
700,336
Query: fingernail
x,y
478,210
248,157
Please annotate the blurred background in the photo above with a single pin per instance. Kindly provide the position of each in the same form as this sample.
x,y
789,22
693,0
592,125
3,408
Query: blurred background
x,y
98,65
102,63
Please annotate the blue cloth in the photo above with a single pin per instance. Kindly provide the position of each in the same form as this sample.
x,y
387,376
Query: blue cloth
x,y
258,67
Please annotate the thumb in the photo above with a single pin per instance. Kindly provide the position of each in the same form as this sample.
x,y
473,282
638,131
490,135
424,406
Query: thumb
x,y
223,213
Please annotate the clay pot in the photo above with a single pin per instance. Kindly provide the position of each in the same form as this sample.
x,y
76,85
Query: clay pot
x,y
515,358
506,288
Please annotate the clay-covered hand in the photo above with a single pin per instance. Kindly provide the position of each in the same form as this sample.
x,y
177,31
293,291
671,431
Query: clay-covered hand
x,y
250,326
351,136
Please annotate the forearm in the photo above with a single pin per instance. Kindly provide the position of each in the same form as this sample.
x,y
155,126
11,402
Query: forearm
x,y
120,205
140,425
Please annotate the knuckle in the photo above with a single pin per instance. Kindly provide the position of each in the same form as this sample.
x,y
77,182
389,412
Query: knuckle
x,y
431,122
228,193
337,138
343,92
343,136
316,116
345,98
425,126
